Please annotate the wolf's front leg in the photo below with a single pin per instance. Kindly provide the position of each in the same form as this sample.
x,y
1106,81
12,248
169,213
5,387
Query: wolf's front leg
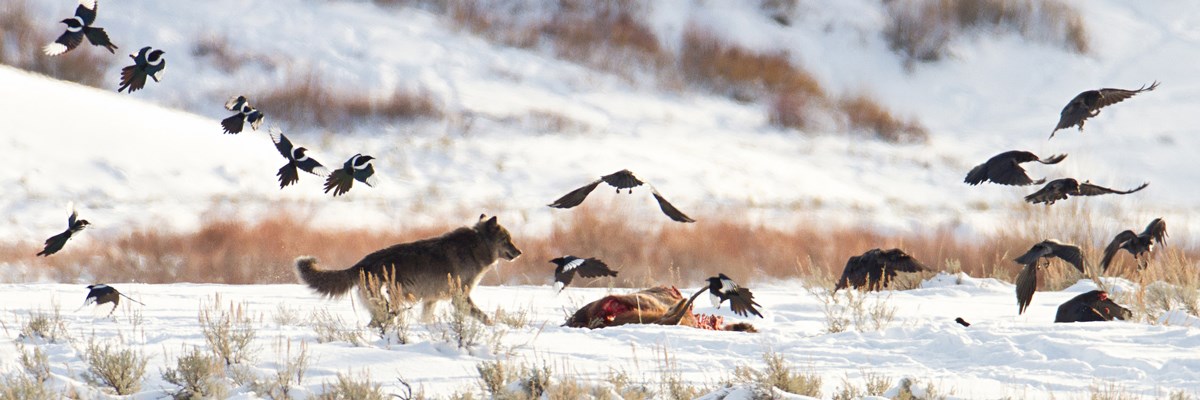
x,y
477,313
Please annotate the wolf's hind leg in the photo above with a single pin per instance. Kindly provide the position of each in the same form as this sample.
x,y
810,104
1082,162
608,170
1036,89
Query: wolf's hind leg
x,y
374,302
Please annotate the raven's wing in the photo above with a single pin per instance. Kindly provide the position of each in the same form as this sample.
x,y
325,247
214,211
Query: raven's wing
x,y
1009,172
1088,189
1114,246
1071,254
575,197
1110,96
1026,285
1074,113
898,260
854,274
1031,257
622,179
977,175
1054,159
1157,230
670,210
1047,194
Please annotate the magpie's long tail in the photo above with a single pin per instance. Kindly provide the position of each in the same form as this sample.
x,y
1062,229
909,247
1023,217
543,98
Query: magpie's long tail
x,y
132,299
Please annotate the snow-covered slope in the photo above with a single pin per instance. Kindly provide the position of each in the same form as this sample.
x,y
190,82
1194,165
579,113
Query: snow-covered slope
x,y
126,161
998,355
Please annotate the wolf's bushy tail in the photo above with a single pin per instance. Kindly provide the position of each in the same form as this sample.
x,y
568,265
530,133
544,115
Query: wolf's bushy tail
x,y
328,283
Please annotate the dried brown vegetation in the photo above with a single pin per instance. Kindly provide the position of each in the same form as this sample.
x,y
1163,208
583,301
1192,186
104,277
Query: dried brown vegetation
x,y
22,37
227,251
921,30
306,99
608,34
222,54
706,60
612,37
792,94
865,114
221,251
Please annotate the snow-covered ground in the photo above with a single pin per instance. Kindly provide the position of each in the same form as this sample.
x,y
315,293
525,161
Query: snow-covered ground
x,y
158,158
998,355
126,161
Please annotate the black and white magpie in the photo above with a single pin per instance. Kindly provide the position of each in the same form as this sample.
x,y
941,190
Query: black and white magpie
x,y
245,113
623,179
569,266
56,242
357,168
741,301
297,159
147,62
79,27
100,294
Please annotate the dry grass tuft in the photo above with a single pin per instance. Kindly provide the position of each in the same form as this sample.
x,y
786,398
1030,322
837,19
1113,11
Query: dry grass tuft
x,y
223,55
346,387
229,334
22,36
332,328
45,327
921,30
607,34
865,114
197,374
778,374
793,95
114,366
307,100
612,36
707,61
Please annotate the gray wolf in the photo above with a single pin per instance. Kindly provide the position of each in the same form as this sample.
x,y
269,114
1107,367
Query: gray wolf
x,y
423,270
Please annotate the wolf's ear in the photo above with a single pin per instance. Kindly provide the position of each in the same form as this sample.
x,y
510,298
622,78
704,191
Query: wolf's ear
x,y
481,217
491,224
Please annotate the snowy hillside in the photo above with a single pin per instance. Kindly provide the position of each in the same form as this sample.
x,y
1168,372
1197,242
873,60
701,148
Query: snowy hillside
x,y
713,157
997,356
520,126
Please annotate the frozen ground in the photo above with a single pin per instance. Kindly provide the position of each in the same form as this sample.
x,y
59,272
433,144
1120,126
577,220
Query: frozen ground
x,y
999,355
128,161
158,158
